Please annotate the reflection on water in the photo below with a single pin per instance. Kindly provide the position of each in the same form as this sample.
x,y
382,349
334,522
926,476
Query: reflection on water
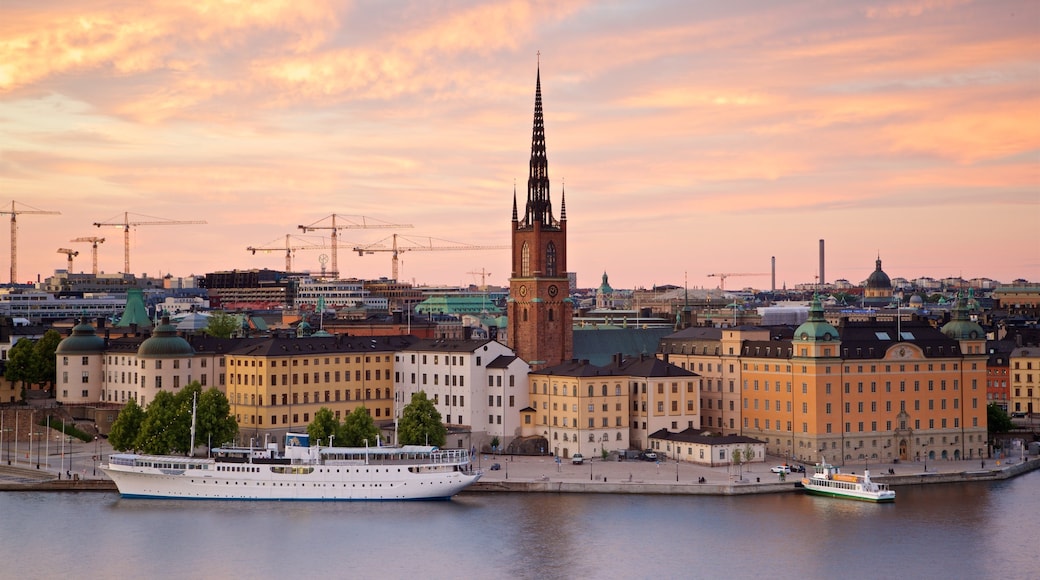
x,y
940,531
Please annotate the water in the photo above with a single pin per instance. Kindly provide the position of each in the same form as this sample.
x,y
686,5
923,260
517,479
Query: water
x,y
977,530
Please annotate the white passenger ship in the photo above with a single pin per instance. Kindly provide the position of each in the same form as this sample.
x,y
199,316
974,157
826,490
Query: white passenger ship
x,y
302,472
828,480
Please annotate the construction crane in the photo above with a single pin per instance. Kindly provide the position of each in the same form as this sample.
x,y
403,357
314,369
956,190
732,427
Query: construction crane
x,y
126,224
417,244
722,277
289,248
94,241
358,222
483,277
14,213
70,254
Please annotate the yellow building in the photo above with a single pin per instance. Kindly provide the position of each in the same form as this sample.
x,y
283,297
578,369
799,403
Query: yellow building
x,y
1025,380
874,391
277,385
583,408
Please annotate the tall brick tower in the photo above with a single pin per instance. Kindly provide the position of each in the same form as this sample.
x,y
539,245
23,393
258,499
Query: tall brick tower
x,y
540,307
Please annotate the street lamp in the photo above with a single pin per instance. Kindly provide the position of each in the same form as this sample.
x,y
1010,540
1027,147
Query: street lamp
x,y
37,435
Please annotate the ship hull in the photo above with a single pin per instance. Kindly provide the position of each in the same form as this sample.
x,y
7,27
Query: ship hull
x,y
319,483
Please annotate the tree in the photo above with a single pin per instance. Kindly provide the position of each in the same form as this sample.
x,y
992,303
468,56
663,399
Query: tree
x,y
214,423
222,325
358,427
323,425
44,353
997,420
126,427
420,423
749,454
167,425
21,363
737,457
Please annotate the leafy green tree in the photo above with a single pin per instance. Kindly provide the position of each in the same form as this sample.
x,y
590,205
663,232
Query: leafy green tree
x,y
167,425
323,425
358,427
126,426
214,423
21,364
420,423
46,363
997,420
222,325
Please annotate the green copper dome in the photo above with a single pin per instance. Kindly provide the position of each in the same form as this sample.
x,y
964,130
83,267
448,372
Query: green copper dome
x,y
961,326
84,339
164,342
817,327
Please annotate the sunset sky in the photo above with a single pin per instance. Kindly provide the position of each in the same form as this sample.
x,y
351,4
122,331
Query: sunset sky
x,y
693,137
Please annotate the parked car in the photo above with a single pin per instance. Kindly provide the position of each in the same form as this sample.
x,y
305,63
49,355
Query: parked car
x,y
495,467
649,455
577,459
781,469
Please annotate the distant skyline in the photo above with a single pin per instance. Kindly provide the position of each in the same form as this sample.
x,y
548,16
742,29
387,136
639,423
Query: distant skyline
x,y
693,137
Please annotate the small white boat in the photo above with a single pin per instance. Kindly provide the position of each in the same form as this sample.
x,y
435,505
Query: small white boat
x,y
302,472
828,480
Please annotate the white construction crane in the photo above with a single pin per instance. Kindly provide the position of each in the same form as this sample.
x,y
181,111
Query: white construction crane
x,y
126,224
356,222
14,213
426,244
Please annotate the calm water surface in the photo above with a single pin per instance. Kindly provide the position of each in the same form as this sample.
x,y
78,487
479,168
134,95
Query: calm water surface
x,y
980,530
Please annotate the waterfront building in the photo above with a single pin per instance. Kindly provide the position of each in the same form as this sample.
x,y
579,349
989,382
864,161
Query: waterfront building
x,y
693,446
869,391
1025,379
714,354
276,385
540,309
478,387
579,407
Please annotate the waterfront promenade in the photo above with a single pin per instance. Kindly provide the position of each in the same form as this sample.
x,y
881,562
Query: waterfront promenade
x,y
544,474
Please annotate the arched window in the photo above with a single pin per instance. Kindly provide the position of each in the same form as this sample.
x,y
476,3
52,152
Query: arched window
x,y
550,259
525,261
550,315
604,390
590,390
525,315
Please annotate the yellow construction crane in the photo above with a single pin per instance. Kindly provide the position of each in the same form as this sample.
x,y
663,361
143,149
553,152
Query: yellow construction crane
x,y
722,277
356,222
425,244
94,241
14,213
289,248
70,254
483,277
126,224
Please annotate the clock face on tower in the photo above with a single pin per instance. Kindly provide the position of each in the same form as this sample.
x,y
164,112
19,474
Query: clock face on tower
x,y
523,290
553,290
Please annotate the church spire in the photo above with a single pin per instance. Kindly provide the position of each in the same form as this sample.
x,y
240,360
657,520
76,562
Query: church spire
x,y
563,203
539,206
514,202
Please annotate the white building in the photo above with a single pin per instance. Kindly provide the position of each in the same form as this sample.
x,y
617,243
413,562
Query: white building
x,y
478,387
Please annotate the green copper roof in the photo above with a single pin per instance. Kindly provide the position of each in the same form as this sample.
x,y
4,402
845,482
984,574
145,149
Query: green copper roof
x,y
961,326
165,342
84,339
135,312
817,327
